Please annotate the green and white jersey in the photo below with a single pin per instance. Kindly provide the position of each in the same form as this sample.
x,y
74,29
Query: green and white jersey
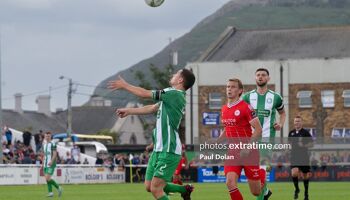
x,y
265,106
49,148
172,104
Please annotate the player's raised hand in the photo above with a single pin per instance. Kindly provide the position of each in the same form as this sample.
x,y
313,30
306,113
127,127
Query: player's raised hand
x,y
117,84
277,126
122,112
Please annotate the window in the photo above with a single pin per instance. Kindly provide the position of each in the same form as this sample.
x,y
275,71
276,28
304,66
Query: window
x,y
337,132
346,96
312,131
327,97
305,100
215,100
133,139
347,133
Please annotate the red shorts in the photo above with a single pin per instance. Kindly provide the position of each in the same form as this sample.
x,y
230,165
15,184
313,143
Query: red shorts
x,y
251,172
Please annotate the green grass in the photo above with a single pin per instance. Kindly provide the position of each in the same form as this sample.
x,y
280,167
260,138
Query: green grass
x,y
207,191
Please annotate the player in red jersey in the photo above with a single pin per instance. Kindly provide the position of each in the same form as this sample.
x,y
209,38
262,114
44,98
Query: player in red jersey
x,y
177,179
238,118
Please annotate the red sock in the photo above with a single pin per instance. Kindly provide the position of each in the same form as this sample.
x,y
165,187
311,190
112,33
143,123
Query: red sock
x,y
262,174
235,194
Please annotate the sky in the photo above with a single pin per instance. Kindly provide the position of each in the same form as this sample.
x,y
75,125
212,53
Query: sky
x,y
85,40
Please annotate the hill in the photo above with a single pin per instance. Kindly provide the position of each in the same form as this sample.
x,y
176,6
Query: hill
x,y
242,14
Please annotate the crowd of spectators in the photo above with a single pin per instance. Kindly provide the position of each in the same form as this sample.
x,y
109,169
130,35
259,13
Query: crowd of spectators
x,y
321,159
21,151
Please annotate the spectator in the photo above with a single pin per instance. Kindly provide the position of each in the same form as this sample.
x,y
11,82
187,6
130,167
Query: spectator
x,y
121,162
116,160
108,162
75,152
69,159
26,157
99,160
27,136
333,159
135,160
38,140
86,162
38,161
8,135
4,139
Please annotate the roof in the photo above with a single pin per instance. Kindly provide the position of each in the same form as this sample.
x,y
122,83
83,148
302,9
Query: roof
x,y
90,119
31,119
325,42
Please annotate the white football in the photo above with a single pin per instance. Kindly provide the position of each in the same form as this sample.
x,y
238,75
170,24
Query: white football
x,y
154,3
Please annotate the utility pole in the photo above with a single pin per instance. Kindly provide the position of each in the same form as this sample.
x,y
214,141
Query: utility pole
x,y
1,130
69,107
281,91
69,117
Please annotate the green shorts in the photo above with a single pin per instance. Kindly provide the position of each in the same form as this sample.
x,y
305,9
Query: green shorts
x,y
162,165
49,170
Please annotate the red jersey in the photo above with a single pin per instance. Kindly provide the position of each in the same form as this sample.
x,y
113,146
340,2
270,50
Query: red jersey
x,y
236,117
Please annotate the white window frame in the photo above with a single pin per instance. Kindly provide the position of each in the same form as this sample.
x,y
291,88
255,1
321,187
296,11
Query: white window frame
x,y
214,100
345,130
338,129
346,96
304,95
327,98
312,131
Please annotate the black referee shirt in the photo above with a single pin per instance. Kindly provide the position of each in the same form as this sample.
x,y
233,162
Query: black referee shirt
x,y
299,140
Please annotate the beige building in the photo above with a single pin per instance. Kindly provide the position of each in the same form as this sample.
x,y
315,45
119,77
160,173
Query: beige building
x,y
309,67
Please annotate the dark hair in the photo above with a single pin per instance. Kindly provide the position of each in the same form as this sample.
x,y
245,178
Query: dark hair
x,y
263,70
48,132
297,117
239,82
188,77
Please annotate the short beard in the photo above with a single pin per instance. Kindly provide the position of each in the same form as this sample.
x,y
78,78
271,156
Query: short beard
x,y
261,84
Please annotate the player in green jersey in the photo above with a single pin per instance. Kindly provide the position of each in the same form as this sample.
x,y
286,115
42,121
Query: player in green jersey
x,y
266,102
167,148
49,164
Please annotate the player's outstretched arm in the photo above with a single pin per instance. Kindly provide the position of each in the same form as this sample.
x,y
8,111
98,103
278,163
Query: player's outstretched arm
x,y
123,112
122,84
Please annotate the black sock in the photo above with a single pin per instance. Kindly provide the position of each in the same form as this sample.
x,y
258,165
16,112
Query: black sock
x,y
296,185
306,186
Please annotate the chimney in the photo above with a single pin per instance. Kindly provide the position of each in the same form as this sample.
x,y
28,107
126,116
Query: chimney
x,y
18,103
174,58
43,102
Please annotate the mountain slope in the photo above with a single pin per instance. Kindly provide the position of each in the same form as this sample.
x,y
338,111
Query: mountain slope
x,y
243,14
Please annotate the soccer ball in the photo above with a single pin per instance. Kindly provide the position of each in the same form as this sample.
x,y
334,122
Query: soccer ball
x,y
154,3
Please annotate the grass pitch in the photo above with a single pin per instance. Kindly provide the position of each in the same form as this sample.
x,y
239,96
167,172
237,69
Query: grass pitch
x,y
203,191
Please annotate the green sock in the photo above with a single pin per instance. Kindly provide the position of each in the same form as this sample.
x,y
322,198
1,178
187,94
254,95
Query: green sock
x,y
262,193
170,187
53,182
165,197
49,186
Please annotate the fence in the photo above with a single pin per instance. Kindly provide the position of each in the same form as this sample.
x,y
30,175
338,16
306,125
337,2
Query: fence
x,y
86,174
64,174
